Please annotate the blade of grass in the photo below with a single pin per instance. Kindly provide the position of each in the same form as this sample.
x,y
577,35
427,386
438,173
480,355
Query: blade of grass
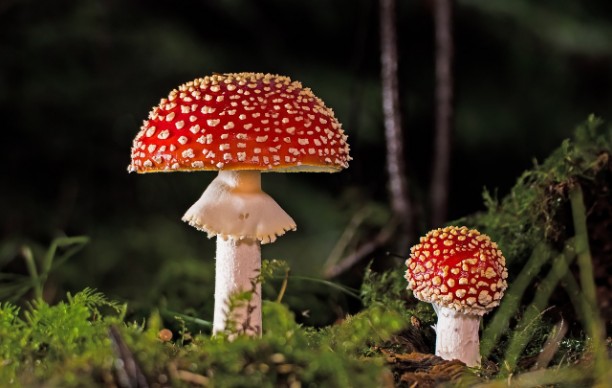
x,y
553,343
570,376
524,330
52,260
281,293
12,277
28,257
14,291
347,290
347,236
186,318
593,324
72,245
511,301
583,252
8,251
576,296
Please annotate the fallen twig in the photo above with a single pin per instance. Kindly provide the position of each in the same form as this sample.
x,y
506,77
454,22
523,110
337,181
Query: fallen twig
x,y
381,239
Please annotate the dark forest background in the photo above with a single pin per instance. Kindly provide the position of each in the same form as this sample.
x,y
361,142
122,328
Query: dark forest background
x,y
78,77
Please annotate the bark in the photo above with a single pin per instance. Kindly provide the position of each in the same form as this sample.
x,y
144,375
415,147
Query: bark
x,y
398,184
444,111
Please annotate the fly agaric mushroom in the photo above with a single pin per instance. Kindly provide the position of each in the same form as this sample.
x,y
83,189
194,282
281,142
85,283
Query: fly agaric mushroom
x,y
240,124
462,273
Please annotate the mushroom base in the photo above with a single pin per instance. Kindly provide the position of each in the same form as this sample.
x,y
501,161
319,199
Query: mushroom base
x,y
457,336
238,264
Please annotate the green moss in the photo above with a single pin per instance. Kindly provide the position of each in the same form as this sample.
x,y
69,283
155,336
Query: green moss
x,y
72,344
535,209
48,343
389,289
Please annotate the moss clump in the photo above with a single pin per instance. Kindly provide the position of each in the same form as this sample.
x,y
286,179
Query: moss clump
x,y
59,344
389,289
73,344
535,210
288,353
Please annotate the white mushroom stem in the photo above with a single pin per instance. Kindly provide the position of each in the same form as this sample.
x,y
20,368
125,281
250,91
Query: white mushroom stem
x,y
238,264
457,336
235,210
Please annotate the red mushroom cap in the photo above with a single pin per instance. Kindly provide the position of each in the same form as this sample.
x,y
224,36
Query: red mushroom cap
x,y
240,121
458,268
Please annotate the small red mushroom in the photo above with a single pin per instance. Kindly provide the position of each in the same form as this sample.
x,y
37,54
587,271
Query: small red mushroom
x,y
240,124
462,273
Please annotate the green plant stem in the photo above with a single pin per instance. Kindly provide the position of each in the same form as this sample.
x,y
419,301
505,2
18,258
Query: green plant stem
x,y
347,290
576,296
585,263
52,260
281,293
28,257
543,377
187,318
524,330
592,321
511,301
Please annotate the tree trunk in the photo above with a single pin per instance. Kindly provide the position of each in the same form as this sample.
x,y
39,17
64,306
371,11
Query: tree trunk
x,y
444,112
398,184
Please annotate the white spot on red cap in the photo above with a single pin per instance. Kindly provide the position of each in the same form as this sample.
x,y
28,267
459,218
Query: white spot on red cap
x,y
207,109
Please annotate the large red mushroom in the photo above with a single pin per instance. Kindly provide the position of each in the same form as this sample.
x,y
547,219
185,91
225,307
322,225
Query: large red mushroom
x,y
462,273
240,124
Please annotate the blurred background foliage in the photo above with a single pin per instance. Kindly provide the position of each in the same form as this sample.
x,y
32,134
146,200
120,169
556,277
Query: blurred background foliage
x,y
78,77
